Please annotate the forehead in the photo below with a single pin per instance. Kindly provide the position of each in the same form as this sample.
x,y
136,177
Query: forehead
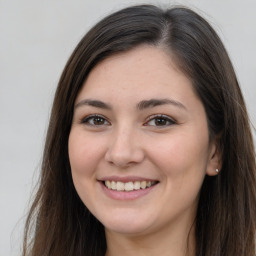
x,y
144,71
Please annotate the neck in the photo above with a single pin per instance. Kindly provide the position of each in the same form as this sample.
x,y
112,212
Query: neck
x,y
171,242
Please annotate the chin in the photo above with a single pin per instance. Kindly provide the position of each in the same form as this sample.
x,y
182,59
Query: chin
x,y
127,229
126,224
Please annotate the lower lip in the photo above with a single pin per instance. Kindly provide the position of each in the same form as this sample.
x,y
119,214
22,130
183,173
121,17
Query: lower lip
x,y
126,195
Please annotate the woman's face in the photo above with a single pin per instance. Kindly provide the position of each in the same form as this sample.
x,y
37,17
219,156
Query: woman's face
x,y
139,145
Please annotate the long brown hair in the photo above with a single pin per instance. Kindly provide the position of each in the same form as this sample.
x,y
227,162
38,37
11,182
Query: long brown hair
x,y
60,224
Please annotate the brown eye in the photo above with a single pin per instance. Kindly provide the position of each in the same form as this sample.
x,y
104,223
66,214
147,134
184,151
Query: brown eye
x,y
161,120
98,121
95,120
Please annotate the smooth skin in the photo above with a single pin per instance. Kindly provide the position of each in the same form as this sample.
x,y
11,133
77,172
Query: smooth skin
x,y
138,115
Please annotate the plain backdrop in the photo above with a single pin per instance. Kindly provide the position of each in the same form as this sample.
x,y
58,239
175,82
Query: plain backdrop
x,y
36,39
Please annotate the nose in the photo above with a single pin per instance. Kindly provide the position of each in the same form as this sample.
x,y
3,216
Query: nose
x,y
124,149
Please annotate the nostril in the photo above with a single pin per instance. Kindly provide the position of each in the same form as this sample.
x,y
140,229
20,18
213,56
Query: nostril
x,y
124,157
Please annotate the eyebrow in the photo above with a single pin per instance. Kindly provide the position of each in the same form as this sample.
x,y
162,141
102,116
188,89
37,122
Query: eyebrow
x,y
93,103
158,102
144,104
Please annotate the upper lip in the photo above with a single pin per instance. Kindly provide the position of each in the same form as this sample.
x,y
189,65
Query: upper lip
x,y
126,178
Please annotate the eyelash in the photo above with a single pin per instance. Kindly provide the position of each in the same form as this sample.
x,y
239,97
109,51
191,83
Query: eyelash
x,y
167,120
92,118
161,117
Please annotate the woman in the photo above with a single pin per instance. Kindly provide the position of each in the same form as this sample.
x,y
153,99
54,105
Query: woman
x,y
149,150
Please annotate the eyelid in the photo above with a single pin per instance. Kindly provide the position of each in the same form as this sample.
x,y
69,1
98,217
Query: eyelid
x,y
168,118
85,119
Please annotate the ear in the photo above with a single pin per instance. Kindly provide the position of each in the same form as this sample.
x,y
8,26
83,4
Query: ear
x,y
215,159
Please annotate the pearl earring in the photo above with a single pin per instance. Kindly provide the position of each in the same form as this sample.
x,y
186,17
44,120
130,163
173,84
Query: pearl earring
x,y
217,170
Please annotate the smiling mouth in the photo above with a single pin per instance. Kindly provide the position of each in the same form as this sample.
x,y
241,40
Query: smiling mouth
x,y
128,186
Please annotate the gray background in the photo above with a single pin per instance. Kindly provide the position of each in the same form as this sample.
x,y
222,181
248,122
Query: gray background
x,y
36,38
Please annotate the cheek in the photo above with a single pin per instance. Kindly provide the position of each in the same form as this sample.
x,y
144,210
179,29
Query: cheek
x,y
84,156
182,154
84,152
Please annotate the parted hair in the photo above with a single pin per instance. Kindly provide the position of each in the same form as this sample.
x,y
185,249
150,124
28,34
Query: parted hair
x,y
59,223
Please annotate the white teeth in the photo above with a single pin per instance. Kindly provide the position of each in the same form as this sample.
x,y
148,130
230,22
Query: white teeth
x,y
119,186
143,184
113,185
108,184
136,185
128,186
